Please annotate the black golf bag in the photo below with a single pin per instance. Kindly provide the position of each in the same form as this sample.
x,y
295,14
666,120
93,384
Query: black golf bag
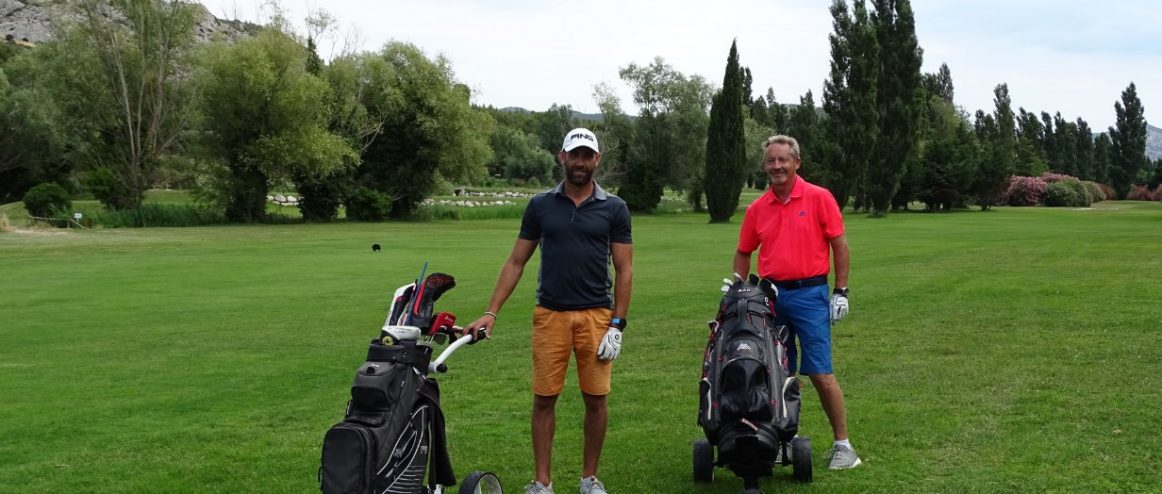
x,y
749,400
393,429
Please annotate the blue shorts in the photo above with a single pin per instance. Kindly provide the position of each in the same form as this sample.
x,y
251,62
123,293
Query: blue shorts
x,y
807,314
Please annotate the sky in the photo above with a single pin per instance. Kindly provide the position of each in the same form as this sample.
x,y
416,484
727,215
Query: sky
x,y
1069,56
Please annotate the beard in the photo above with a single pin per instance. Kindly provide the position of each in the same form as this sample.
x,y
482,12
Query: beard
x,y
578,175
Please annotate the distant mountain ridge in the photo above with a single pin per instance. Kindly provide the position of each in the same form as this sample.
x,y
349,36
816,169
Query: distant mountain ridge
x,y
1153,142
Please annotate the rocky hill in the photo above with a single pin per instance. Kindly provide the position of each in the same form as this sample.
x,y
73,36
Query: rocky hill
x,y
28,22
1153,142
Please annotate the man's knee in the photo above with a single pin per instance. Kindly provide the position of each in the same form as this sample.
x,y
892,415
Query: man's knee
x,y
594,403
544,404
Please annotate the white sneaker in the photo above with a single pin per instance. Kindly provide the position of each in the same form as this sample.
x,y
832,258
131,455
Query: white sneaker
x,y
843,458
535,487
590,485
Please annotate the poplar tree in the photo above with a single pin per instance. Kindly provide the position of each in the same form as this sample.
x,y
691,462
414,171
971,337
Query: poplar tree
x,y
899,99
1128,142
849,98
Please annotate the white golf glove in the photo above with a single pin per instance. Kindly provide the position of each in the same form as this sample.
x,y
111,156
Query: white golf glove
x,y
610,345
838,307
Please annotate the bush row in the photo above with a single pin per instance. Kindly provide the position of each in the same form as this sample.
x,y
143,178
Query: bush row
x,y
1055,190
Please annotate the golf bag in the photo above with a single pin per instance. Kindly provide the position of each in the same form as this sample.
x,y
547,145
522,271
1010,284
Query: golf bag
x,y
393,429
748,398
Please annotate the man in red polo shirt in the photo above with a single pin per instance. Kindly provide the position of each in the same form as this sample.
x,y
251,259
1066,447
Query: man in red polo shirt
x,y
799,227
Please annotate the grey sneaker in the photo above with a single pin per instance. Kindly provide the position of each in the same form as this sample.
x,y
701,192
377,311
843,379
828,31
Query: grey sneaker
x,y
842,458
535,487
590,485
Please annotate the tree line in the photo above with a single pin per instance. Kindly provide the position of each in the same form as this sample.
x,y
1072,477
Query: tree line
x,y
890,135
124,100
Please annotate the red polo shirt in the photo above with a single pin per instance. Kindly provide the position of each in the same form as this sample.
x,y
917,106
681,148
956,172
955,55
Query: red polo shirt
x,y
794,236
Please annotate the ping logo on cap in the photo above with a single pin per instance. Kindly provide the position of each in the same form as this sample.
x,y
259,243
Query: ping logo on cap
x,y
580,137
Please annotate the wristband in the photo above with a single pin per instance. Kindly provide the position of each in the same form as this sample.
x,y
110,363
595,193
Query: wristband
x,y
493,314
842,291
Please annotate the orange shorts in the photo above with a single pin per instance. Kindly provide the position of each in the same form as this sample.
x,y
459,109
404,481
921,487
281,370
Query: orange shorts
x,y
555,335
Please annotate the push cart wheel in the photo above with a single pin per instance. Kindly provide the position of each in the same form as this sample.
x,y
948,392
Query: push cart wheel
x,y
801,459
481,483
703,461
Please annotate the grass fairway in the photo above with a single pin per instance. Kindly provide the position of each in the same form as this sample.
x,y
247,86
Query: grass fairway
x,y
1009,351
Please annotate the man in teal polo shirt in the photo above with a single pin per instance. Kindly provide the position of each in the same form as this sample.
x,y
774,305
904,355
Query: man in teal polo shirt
x,y
579,228
799,228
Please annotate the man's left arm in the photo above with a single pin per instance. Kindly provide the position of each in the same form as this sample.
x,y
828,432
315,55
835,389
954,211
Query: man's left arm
x,y
622,254
623,281
839,304
842,257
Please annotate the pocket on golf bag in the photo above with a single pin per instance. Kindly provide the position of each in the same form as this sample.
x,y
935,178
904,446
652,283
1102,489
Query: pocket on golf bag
x,y
787,422
348,456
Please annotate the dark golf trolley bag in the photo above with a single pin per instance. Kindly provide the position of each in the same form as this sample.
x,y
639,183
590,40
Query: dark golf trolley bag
x,y
392,433
748,398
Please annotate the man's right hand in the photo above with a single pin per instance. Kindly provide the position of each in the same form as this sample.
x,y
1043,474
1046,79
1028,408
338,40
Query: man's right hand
x,y
481,328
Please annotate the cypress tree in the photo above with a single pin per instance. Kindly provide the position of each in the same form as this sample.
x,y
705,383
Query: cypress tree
x,y
726,144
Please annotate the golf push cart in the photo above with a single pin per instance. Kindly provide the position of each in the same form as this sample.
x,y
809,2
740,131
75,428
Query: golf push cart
x,y
748,397
393,431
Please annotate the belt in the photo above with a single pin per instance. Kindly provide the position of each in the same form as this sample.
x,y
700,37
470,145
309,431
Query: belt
x,y
803,283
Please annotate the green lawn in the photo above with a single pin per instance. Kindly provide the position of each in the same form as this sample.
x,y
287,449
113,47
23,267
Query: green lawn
x,y
1010,351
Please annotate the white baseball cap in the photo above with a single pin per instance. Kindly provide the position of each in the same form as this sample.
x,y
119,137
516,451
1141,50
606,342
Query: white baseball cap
x,y
580,137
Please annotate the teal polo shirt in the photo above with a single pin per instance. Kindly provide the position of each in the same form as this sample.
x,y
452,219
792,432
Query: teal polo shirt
x,y
575,246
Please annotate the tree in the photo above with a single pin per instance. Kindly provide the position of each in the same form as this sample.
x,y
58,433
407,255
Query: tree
x,y
430,132
141,101
849,98
518,157
997,133
777,113
899,97
669,137
1128,140
33,146
1030,145
1102,158
1065,142
726,143
1084,149
615,133
948,157
264,121
940,84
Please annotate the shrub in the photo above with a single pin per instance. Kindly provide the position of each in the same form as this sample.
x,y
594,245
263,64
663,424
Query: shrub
x,y
1082,192
46,200
1094,190
1158,193
1139,193
368,205
1063,194
1025,191
159,215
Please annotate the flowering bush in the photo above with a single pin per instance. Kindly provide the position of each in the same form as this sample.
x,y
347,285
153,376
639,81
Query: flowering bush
x,y
1140,193
1108,191
1158,193
1025,191
1050,177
